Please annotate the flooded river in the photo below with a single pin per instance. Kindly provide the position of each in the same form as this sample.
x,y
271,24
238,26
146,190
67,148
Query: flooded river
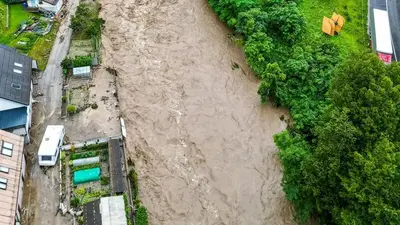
x,y
201,141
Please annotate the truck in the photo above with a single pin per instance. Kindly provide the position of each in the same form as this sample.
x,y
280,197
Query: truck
x,y
381,35
50,146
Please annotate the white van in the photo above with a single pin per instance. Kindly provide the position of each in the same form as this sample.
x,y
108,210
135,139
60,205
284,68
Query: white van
x,y
50,147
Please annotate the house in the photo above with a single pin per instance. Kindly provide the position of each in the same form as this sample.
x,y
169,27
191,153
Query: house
x,y
15,92
53,6
12,176
105,211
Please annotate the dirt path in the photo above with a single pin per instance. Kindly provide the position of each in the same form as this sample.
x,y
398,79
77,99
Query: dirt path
x,y
200,138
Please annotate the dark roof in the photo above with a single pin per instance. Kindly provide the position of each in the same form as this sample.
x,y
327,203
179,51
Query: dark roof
x,y
13,118
116,175
52,2
91,213
15,75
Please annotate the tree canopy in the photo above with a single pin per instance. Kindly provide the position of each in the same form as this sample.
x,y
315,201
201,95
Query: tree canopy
x,y
351,172
340,156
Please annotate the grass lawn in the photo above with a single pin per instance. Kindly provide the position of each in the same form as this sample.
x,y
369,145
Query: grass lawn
x,y
36,46
42,48
16,17
354,36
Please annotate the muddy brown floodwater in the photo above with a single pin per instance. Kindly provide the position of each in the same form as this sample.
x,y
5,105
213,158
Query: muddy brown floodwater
x,y
201,141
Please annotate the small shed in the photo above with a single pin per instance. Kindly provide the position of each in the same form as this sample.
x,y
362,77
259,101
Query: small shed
x,y
82,72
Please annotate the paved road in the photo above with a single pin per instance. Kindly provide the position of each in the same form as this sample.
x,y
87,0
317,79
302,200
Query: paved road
x,y
42,190
394,18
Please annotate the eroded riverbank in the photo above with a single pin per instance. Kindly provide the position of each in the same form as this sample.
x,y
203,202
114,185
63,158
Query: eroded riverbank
x,y
201,141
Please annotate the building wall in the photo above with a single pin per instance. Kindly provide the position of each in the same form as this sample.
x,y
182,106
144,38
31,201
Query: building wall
x,y
10,198
54,8
21,183
29,111
7,104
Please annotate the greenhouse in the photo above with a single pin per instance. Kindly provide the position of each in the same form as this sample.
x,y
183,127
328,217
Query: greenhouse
x,y
84,176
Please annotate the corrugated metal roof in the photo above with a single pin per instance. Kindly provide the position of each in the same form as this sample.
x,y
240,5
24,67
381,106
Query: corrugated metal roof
x,y
81,71
13,118
15,75
115,158
91,213
113,210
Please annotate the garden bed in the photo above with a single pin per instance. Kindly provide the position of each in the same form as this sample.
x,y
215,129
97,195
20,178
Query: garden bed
x,y
89,191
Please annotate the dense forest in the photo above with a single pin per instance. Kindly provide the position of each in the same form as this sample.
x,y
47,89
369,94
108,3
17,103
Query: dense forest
x,y
340,153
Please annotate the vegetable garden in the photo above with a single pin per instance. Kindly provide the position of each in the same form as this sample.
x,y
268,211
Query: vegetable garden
x,y
89,174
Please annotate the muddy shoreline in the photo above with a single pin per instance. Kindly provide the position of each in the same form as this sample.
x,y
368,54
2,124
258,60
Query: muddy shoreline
x,y
200,139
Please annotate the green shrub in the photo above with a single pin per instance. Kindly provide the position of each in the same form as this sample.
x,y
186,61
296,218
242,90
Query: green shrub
x,y
134,183
85,167
82,155
104,180
104,155
64,99
95,146
127,209
67,63
81,220
95,195
86,21
141,217
80,191
75,202
62,155
80,61
71,109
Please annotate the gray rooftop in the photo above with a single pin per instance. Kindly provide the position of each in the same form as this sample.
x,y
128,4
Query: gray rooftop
x,y
112,211
15,75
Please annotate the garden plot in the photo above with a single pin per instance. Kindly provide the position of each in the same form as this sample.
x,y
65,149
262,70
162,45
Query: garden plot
x,y
79,98
102,117
89,174
81,48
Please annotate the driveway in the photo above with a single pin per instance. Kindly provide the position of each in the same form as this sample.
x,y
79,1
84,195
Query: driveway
x,y
41,193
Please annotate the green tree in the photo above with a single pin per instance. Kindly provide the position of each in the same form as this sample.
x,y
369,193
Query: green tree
x,y
294,155
354,171
228,10
269,86
252,21
286,21
258,51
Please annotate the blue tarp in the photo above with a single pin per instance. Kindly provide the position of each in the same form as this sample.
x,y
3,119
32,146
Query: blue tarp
x,y
13,118
88,175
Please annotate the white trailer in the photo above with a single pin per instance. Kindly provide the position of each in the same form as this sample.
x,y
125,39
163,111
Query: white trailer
x,y
50,147
383,36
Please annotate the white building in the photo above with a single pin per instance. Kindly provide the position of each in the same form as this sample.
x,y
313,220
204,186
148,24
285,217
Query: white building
x,y
106,211
53,6
12,176
15,92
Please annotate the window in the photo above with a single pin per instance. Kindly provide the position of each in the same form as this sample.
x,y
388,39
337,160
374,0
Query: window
x,y
3,183
4,169
7,149
17,71
16,86
46,158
